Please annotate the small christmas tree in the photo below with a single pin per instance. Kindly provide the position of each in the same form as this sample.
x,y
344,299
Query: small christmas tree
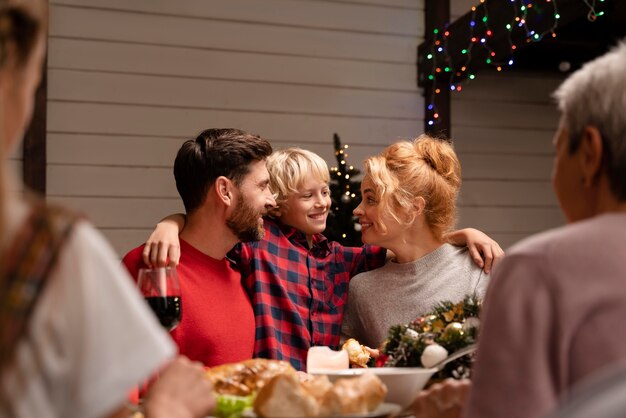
x,y
342,226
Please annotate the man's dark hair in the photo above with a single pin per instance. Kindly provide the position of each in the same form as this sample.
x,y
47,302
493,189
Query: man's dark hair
x,y
215,153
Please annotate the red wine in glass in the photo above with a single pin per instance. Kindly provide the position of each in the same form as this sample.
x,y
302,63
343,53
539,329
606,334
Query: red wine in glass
x,y
168,309
161,290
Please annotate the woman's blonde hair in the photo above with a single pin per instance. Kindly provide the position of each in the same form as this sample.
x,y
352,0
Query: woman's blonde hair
x,y
289,168
425,167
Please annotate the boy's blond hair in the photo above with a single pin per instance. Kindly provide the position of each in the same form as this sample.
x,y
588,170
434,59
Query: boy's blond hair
x,y
289,168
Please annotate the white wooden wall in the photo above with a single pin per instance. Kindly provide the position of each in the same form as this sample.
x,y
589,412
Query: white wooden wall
x,y
502,127
129,81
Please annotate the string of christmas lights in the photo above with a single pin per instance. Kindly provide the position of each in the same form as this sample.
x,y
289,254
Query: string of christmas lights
x,y
480,34
343,171
341,225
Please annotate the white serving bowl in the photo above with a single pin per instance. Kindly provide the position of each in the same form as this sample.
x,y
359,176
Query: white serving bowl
x,y
403,383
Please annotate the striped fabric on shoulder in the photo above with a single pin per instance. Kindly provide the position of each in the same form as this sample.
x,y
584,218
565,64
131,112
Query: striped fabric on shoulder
x,y
25,267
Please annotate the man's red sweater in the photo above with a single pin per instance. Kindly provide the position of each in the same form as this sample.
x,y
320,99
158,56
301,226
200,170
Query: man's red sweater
x,y
217,323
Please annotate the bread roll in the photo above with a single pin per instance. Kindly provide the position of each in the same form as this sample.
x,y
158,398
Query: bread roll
x,y
360,395
316,386
330,404
373,389
284,397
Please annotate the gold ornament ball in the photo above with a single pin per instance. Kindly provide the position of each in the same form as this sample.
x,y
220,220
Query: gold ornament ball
x,y
453,329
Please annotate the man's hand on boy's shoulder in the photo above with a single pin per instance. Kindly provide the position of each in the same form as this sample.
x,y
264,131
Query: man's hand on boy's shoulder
x,y
485,252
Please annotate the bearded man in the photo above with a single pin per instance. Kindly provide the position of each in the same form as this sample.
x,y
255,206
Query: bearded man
x,y
224,184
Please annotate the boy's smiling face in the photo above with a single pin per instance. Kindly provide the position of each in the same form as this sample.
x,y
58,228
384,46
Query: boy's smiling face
x,y
307,209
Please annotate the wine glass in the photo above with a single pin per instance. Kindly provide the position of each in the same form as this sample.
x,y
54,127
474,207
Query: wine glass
x,y
160,287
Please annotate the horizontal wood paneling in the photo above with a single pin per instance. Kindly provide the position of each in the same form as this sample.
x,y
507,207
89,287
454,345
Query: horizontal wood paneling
x,y
515,220
323,15
69,85
490,140
130,81
125,239
71,22
503,125
511,86
111,182
110,119
228,65
506,194
111,150
508,167
158,152
120,212
493,114
407,4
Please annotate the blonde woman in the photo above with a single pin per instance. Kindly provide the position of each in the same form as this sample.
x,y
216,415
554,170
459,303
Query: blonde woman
x,y
408,204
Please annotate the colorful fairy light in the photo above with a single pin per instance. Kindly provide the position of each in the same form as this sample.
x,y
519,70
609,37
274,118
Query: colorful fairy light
x,y
480,35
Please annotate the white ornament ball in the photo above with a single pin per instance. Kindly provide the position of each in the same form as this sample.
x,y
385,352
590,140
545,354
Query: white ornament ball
x,y
471,322
412,334
357,226
433,354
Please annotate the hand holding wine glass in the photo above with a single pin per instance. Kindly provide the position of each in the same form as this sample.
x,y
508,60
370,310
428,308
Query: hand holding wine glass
x,y
161,289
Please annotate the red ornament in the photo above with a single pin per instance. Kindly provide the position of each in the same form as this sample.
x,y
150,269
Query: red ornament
x,y
381,360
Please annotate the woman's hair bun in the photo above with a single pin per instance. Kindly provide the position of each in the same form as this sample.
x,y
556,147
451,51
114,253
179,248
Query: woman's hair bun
x,y
439,155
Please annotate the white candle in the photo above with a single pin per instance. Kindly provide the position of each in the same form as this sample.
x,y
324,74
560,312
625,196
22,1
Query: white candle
x,y
321,358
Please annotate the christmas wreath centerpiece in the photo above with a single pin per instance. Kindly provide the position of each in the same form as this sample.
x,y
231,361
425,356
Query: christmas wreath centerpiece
x,y
430,338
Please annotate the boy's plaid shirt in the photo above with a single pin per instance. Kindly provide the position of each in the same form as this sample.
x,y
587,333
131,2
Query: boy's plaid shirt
x,y
298,294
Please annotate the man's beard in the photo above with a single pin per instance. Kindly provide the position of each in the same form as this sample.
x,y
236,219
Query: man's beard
x,y
244,222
